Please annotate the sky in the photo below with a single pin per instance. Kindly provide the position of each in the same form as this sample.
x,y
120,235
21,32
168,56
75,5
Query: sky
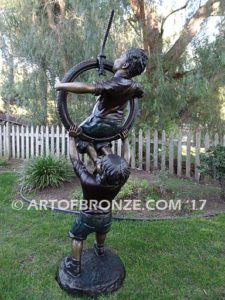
x,y
175,22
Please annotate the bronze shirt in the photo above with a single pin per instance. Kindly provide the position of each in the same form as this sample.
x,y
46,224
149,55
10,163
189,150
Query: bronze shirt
x,y
113,96
92,189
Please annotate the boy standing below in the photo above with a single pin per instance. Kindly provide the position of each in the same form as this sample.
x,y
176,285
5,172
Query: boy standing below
x,y
104,184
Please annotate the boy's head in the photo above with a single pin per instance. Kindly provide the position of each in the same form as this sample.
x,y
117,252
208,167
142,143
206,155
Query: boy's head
x,y
114,170
133,61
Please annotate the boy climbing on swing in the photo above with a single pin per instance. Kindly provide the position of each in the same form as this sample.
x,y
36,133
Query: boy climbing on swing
x,y
106,118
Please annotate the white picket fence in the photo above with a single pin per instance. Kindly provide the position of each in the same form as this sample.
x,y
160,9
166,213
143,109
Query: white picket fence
x,y
179,154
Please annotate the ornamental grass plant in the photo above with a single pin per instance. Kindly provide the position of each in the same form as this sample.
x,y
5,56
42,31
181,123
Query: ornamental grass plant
x,y
42,172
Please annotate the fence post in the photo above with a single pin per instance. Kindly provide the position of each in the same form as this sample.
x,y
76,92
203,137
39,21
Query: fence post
x,y
27,142
57,141
179,154
42,140
47,140
197,153
3,140
119,147
13,142
171,154
17,141
140,149
163,151
1,144
148,148
7,141
188,154
52,141
133,150
37,141
68,144
113,147
63,140
32,140
155,150
22,143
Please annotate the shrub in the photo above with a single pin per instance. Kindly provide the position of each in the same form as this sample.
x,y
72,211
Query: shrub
x,y
138,189
213,164
3,162
42,172
78,194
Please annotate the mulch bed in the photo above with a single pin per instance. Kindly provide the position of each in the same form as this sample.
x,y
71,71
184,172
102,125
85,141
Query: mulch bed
x,y
66,190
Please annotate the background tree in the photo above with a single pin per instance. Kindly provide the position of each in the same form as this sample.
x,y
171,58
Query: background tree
x,y
177,88
42,39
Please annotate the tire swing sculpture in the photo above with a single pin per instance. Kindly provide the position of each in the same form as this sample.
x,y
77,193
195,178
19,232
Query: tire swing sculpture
x,y
96,271
71,76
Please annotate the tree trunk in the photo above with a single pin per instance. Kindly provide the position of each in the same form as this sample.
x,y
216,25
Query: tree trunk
x,y
190,29
152,30
152,38
43,84
56,25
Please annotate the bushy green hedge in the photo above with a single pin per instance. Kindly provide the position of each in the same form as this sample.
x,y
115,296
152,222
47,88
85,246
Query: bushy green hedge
x,y
42,172
213,164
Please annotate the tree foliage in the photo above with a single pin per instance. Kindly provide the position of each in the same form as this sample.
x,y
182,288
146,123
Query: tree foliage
x,y
42,39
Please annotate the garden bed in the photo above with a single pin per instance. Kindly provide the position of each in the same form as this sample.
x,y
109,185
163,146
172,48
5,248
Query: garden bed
x,y
165,189
155,195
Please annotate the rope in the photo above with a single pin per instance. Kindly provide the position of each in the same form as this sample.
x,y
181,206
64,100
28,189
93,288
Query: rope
x,y
107,32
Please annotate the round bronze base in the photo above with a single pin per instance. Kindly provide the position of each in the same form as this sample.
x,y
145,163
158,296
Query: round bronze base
x,y
99,274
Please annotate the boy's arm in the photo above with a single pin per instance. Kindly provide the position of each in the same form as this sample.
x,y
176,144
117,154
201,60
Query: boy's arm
x,y
74,155
76,87
78,166
138,90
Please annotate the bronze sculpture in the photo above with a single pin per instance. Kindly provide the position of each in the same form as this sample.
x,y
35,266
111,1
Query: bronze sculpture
x,y
105,183
80,273
106,118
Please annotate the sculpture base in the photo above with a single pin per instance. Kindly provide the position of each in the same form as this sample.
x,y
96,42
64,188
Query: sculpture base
x,y
99,274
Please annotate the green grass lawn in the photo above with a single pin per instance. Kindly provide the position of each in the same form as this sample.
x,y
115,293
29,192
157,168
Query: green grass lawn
x,y
183,259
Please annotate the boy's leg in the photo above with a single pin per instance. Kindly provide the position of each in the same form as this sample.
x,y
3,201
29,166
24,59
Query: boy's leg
x,y
106,150
78,233
92,153
99,243
101,230
77,247
73,264
81,145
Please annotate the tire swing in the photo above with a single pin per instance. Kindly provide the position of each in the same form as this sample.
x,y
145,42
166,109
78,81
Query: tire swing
x,y
101,64
63,112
